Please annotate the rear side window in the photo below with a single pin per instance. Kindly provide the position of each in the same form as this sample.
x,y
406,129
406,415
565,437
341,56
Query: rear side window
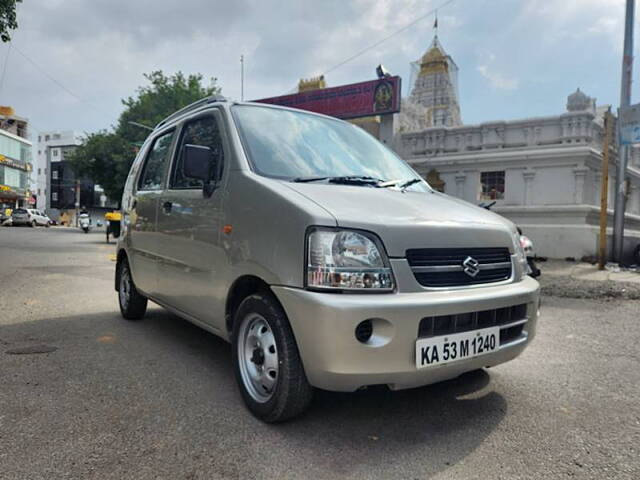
x,y
204,132
154,164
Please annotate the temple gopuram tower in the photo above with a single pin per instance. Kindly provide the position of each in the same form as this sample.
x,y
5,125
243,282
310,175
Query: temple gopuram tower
x,y
436,87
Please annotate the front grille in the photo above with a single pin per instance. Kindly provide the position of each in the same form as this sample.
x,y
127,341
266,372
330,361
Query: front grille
x,y
445,267
464,322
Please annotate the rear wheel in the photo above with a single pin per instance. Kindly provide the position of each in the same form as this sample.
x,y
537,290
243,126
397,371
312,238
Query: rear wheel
x,y
132,304
267,363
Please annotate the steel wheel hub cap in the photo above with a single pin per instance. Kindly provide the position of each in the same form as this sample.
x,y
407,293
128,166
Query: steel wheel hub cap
x,y
258,357
125,288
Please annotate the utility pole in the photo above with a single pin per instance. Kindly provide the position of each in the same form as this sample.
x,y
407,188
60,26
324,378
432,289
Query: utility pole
x,y
242,78
604,188
77,202
623,150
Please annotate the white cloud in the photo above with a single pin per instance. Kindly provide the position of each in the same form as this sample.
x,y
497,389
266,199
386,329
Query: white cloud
x,y
497,79
100,49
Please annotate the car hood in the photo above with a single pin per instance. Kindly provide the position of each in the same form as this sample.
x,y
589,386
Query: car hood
x,y
405,220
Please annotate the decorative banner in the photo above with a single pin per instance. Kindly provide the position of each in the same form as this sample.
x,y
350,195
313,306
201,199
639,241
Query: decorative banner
x,y
364,99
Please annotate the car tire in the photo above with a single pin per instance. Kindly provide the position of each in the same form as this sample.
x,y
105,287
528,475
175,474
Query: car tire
x,y
33,223
132,304
266,361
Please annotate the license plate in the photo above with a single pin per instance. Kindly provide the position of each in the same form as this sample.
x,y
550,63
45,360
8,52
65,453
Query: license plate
x,y
457,346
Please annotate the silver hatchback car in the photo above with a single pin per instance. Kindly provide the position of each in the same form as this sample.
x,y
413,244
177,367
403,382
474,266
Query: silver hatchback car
x,y
325,259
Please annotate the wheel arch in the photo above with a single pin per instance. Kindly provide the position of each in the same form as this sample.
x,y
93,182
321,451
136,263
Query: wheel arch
x,y
241,288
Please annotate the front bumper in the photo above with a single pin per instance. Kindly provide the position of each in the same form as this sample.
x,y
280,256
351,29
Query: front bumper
x,y
324,325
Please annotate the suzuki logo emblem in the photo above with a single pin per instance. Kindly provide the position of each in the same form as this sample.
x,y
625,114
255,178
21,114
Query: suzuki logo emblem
x,y
471,266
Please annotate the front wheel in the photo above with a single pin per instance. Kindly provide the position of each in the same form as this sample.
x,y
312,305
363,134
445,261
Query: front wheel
x,y
266,360
132,304
34,223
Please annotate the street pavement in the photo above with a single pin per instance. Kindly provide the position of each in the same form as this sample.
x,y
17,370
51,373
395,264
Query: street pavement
x,y
157,398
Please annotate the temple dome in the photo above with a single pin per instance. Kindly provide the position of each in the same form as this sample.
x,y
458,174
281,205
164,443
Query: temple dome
x,y
578,101
434,60
434,54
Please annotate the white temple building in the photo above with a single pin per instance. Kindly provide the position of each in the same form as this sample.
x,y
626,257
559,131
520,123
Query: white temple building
x,y
543,173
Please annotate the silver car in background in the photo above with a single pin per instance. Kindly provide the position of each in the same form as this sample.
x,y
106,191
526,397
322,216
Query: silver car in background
x,y
30,217
325,259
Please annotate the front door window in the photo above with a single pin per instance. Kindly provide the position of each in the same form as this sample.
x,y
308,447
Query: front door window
x,y
203,132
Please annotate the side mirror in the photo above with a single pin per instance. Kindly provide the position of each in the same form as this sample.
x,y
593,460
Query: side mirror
x,y
199,162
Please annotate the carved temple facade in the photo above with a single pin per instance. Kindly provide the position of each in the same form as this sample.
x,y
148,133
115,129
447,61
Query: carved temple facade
x,y
543,173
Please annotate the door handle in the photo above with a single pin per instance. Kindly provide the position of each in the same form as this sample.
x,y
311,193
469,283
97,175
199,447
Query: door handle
x,y
166,206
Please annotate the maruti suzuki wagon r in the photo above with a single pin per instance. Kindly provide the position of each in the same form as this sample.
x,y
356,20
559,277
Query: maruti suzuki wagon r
x,y
323,257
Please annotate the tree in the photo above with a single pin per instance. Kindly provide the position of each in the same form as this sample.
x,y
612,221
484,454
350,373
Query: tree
x,y
161,98
8,20
106,156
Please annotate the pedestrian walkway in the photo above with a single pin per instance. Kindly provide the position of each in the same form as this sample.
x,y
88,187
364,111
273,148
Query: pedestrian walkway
x,y
587,271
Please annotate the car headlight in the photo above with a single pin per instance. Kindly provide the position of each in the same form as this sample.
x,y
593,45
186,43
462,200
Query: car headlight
x,y
522,265
347,260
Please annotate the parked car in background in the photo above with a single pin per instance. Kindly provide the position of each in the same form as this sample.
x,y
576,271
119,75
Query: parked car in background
x,y
5,217
30,217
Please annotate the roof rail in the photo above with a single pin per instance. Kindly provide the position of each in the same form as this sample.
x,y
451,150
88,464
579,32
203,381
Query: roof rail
x,y
193,106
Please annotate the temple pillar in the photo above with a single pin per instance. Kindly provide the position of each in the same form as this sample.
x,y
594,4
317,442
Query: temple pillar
x,y
460,181
528,176
578,194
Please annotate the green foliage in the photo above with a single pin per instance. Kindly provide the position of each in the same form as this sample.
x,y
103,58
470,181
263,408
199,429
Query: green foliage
x,y
8,20
106,156
161,98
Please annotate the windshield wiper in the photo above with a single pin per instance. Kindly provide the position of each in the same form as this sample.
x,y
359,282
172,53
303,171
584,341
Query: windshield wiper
x,y
402,185
345,180
408,183
355,180
308,179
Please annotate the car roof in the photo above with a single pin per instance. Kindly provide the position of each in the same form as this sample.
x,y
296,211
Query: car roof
x,y
217,101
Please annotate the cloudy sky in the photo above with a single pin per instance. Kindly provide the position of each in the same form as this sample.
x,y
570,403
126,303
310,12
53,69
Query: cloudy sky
x,y
517,58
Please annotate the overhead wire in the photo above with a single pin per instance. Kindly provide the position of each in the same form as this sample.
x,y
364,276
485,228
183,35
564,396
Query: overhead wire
x,y
59,84
382,40
397,32
4,68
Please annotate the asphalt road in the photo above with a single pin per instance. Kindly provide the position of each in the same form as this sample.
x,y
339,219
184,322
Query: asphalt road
x,y
157,398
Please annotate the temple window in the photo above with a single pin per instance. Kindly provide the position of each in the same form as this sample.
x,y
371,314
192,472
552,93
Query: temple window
x,y
492,185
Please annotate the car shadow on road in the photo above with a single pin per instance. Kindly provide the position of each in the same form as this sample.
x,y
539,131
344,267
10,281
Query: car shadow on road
x,y
371,433
353,433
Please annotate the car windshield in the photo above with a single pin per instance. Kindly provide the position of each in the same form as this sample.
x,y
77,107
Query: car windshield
x,y
20,210
302,146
